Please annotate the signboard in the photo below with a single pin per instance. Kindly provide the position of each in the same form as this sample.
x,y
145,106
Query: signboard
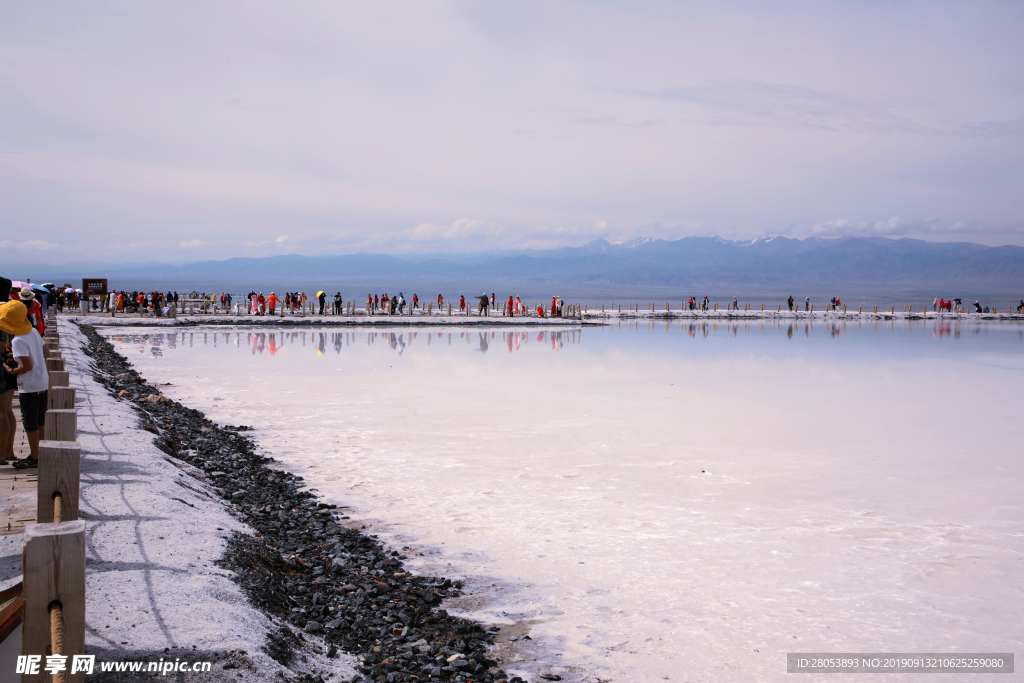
x,y
94,286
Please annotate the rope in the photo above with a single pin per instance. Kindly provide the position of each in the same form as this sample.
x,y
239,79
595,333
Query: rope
x,y
56,508
57,637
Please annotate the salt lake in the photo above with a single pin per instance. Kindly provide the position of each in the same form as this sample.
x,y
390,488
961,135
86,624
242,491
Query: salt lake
x,y
652,500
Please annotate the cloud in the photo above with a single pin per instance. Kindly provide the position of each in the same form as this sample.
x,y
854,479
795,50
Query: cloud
x,y
192,244
31,245
483,129
897,227
790,106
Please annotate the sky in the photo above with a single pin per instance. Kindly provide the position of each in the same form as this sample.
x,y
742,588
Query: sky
x,y
191,130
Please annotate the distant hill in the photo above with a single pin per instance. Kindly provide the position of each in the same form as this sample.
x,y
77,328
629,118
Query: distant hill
x,y
691,264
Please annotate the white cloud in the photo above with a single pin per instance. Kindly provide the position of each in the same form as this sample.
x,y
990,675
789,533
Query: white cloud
x,y
31,245
192,244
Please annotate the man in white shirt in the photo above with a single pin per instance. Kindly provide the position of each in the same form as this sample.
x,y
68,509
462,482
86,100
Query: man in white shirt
x,y
33,382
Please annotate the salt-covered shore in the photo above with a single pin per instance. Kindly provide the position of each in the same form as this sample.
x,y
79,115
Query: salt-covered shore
x,y
197,550
156,534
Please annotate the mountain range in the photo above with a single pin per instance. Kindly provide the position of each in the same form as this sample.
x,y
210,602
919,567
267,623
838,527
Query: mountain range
x,y
690,264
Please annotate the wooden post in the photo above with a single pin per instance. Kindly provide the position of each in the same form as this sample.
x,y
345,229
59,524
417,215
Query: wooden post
x,y
54,566
60,378
54,364
60,398
56,353
59,472
61,425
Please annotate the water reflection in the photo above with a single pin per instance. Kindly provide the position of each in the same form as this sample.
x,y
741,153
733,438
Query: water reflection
x,y
271,343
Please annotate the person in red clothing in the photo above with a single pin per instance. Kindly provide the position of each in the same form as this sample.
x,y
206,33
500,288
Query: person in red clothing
x,y
462,303
272,303
262,301
440,300
511,306
376,302
554,306
35,312
415,300
540,310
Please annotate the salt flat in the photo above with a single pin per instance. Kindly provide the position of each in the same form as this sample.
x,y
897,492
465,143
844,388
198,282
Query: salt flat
x,y
686,500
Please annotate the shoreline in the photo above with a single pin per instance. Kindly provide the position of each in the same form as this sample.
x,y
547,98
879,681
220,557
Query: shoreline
x,y
314,575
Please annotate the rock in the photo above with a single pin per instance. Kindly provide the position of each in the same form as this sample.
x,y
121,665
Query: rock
x,y
334,623
122,394
457,655
218,474
551,677
241,493
313,627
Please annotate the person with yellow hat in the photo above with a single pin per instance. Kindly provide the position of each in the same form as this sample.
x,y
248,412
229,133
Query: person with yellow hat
x,y
8,380
33,379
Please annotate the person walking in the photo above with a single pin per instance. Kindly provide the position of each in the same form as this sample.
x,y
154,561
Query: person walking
x,y
485,301
321,297
272,303
440,301
462,304
807,303
337,303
